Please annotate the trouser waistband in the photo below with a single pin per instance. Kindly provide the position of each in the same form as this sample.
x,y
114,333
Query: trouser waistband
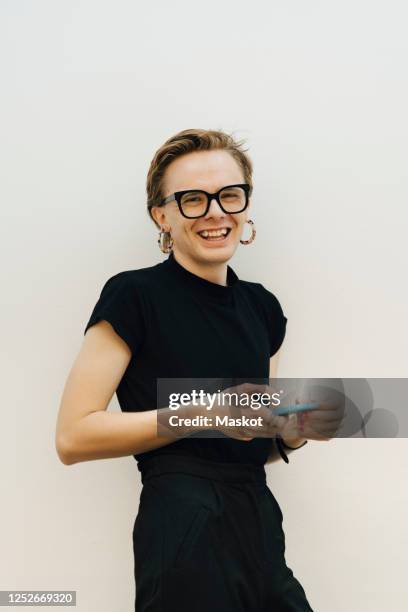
x,y
197,466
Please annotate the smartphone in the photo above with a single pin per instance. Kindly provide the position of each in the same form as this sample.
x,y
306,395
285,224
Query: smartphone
x,y
293,408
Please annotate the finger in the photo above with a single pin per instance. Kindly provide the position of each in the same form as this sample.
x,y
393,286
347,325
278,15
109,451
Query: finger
x,y
317,415
323,431
259,433
329,405
255,388
319,437
245,437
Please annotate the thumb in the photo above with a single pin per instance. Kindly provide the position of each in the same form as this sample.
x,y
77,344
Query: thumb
x,y
278,421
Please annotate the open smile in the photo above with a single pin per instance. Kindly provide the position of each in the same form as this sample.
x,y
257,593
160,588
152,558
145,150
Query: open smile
x,y
219,235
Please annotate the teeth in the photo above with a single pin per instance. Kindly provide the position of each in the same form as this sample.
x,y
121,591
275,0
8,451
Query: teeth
x,y
221,232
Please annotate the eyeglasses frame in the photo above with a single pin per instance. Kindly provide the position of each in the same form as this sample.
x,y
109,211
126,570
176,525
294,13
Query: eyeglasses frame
x,y
177,195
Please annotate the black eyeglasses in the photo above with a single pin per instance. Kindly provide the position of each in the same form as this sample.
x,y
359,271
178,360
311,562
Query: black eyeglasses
x,y
195,203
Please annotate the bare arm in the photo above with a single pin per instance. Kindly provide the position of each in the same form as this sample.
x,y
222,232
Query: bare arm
x,y
294,442
85,429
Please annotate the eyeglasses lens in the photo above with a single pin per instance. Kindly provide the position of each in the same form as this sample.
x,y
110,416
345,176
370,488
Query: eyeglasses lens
x,y
194,203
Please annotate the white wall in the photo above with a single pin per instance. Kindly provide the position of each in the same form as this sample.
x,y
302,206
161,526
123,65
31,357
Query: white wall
x,y
89,91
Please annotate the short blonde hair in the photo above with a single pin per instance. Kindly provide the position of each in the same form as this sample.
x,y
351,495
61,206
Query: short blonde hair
x,y
187,141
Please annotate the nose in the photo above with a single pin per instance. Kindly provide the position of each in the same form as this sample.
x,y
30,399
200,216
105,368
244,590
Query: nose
x,y
215,208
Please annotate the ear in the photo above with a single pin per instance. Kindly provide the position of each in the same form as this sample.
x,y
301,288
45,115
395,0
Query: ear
x,y
159,215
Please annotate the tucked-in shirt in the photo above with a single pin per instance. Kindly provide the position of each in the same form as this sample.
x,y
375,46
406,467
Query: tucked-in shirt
x,y
179,325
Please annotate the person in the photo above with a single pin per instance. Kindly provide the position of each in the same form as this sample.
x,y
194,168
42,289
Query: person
x,y
208,534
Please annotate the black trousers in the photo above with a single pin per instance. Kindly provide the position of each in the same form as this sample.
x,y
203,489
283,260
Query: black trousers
x,y
208,537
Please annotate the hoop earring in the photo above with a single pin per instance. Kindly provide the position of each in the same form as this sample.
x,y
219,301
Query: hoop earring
x,y
165,241
253,234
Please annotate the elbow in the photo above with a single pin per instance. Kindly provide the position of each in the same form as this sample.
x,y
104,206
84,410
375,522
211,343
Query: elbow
x,y
65,450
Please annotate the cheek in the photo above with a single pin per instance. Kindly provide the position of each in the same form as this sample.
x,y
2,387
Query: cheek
x,y
189,229
182,229
240,223
182,232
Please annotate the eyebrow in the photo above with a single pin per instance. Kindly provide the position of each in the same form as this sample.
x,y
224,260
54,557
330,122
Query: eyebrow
x,y
202,188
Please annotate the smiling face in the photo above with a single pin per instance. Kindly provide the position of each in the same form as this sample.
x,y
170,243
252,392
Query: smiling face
x,y
210,171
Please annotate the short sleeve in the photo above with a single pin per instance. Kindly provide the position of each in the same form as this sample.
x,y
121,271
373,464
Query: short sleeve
x,y
120,304
275,320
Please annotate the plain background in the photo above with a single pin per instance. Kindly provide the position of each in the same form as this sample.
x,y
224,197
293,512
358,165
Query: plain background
x,y
90,90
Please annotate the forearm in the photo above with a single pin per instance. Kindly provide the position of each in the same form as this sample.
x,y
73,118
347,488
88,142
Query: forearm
x,y
103,434
294,442
276,454
287,441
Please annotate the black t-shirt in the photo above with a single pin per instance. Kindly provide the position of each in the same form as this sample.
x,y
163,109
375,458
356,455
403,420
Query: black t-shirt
x,y
180,325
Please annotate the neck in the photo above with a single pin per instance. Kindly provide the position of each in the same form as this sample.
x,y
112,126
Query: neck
x,y
215,272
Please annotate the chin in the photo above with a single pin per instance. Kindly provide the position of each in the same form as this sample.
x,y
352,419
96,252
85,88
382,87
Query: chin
x,y
219,255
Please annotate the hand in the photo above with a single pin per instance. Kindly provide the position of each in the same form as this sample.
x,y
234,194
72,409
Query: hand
x,y
270,424
322,423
